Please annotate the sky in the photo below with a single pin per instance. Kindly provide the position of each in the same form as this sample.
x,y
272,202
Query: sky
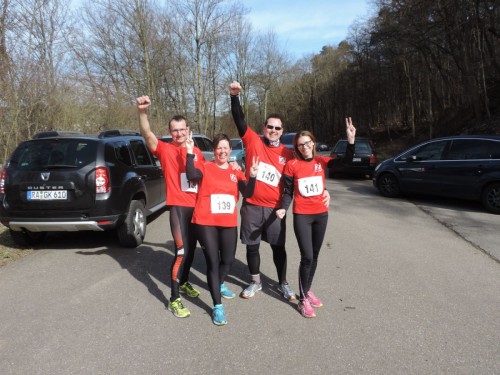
x,y
303,27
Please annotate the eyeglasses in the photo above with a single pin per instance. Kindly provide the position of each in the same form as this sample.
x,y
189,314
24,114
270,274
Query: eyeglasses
x,y
277,128
302,145
178,130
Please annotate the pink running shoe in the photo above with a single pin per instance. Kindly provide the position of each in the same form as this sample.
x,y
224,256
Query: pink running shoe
x,y
306,309
315,301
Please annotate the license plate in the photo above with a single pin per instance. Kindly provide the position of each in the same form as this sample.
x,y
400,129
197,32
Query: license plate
x,y
356,159
51,195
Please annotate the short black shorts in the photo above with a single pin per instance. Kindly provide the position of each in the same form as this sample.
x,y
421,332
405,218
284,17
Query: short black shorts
x,y
261,223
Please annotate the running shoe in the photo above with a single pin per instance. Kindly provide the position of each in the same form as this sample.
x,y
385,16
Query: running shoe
x,y
306,309
250,290
315,301
225,292
188,289
218,315
286,291
178,309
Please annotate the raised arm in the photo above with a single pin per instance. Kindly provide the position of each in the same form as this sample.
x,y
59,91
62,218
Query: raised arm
x,y
143,102
236,110
350,131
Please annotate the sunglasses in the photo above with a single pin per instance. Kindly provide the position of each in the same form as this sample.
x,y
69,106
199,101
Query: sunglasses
x,y
277,128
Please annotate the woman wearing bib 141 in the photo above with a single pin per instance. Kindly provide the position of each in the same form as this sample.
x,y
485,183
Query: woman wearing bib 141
x,y
304,180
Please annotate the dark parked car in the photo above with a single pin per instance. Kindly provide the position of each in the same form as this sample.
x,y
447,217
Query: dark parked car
x,y
238,153
69,181
287,140
201,141
465,167
363,162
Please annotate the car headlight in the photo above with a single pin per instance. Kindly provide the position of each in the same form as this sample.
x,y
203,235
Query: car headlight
x,y
232,158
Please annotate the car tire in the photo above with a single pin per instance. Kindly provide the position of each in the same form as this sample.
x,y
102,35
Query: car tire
x,y
27,239
388,185
491,197
132,231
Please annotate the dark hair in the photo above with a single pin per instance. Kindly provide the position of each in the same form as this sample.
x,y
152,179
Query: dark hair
x,y
274,115
304,133
177,118
220,137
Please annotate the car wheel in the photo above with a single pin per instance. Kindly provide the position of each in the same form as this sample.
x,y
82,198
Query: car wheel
x,y
132,231
388,185
27,239
491,197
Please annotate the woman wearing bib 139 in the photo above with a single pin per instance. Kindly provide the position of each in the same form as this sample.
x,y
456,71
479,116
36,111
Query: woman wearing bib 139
x,y
215,214
304,180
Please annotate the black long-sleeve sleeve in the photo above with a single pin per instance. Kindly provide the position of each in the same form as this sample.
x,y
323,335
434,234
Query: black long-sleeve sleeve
x,y
193,174
286,199
247,188
347,159
238,115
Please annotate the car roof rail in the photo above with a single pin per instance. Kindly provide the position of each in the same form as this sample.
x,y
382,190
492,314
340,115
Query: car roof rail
x,y
117,133
57,133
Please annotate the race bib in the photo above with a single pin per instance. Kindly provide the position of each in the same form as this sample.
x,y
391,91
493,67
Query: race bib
x,y
222,203
186,185
268,174
310,186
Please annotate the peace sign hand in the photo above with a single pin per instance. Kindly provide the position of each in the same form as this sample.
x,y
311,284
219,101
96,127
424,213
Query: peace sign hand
x,y
350,130
255,166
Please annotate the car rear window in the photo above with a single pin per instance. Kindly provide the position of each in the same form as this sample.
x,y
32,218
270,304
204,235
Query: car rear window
x,y
54,153
360,147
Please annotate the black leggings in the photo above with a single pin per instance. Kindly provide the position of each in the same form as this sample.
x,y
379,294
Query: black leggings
x,y
219,247
183,232
310,232
279,258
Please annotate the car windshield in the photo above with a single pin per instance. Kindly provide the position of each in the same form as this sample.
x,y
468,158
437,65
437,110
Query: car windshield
x,y
287,138
54,153
236,144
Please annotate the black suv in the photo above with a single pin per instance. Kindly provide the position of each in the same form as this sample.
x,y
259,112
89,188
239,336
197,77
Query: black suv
x,y
466,167
70,181
363,161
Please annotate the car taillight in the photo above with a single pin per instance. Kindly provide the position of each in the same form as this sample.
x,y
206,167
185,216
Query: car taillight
x,y
2,181
373,159
101,181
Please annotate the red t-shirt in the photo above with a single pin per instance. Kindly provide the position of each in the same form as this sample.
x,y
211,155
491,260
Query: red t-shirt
x,y
217,196
180,192
268,186
308,184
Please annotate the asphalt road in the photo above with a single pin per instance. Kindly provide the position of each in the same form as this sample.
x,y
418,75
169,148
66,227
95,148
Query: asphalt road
x,y
409,287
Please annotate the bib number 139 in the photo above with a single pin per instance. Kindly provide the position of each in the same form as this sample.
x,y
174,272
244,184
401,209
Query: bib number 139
x,y
222,203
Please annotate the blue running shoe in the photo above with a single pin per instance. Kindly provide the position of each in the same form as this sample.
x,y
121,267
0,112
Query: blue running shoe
x,y
219,316
225,292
